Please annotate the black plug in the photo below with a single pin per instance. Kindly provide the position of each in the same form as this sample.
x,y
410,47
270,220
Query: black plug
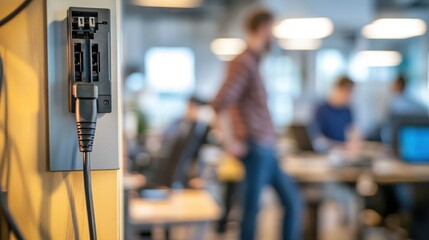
x,y
86,95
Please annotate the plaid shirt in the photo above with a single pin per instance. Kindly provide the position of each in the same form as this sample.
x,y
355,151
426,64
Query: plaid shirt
x,y
243,94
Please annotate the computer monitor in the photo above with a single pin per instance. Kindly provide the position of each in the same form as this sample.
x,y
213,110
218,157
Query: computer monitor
x,y
411,138
413,143
396,124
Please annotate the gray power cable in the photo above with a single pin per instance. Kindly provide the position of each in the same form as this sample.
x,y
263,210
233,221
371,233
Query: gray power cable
x,y
86,95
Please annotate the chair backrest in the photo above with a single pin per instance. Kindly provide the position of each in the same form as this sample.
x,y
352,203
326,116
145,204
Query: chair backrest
x,y
185,147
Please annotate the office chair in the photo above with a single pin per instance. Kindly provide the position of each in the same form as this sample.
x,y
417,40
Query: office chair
x,y
175,167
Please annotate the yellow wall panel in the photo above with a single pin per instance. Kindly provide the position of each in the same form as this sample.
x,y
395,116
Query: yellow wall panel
x,y
46,205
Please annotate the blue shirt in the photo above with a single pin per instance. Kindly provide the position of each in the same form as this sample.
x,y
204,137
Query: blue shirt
x,y
332,122
402,104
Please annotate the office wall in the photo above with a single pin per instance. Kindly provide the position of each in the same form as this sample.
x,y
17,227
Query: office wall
x,y
46,205
196,29
144,33
345,13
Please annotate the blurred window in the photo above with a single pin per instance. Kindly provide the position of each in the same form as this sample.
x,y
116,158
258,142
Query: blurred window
x,y
283,84
170,75
330,64
170,69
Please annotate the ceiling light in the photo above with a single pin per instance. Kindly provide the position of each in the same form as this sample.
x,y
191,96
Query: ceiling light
x,y
168,3
394,28
227,48
300,44
299,28
378,58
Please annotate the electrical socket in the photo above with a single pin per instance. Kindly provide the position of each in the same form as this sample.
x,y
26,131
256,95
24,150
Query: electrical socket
x,y
82,56
88,35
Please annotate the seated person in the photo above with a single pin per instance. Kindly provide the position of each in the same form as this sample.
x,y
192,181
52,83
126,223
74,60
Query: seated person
x,y
181,144
333,118
331,125
190,116
412,198
401,106
402,103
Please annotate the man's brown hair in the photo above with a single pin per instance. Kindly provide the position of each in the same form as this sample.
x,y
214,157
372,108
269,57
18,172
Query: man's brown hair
x,y
256,19
344,82
401,83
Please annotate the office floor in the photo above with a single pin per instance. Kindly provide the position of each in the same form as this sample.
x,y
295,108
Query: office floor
x,y
270,220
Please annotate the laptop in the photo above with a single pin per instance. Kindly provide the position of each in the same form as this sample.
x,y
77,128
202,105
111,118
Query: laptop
x,y
302,137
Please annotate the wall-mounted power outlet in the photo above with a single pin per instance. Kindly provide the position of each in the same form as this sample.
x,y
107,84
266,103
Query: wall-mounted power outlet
x,y
82,47
88,35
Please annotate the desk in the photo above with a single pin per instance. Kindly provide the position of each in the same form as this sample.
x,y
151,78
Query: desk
x,y
182,207
133,181
315,169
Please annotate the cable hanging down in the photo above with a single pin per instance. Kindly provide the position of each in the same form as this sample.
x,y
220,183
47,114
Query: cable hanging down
x,y
88,195
15,12
10,221
86,95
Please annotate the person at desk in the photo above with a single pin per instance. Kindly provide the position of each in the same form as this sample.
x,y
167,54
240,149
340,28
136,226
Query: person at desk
x,y
403,104
191,115
333,118
185,136
412,198
332,128
243,88
180,124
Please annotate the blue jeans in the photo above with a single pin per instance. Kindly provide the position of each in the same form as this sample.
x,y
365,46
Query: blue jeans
x,y
262,169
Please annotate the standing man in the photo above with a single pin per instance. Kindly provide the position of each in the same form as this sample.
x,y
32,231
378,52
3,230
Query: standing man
x,y
243,93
